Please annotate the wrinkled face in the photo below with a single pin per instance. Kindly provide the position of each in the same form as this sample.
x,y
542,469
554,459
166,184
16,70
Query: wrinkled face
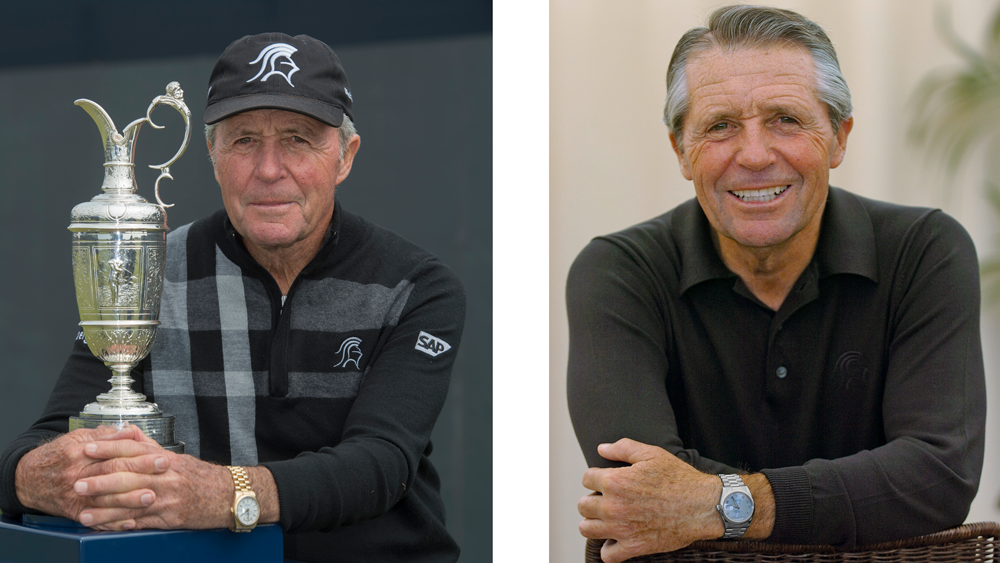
x,y
759,144
278,171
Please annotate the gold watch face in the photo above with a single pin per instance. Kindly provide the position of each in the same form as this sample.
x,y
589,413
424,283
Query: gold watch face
x,y
247,511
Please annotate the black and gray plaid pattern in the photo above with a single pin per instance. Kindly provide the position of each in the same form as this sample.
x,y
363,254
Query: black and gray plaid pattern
x,y
335,391
207,365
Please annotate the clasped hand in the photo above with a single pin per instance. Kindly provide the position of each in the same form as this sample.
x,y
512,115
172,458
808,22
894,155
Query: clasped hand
x,y
111,479
658,503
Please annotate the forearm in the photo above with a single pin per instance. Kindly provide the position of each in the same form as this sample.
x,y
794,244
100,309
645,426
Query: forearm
x,y
899,490
763,513
219,490
263,486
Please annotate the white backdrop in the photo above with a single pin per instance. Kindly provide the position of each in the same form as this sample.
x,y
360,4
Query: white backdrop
x,y
611,166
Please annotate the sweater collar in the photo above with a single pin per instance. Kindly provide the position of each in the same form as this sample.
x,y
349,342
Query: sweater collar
x,y
234,240
846,241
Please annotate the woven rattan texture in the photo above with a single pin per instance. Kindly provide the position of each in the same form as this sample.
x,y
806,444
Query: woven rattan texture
x,y
971,542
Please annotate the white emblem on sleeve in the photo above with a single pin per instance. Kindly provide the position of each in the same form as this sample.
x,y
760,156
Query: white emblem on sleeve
x,y
270,56
430,344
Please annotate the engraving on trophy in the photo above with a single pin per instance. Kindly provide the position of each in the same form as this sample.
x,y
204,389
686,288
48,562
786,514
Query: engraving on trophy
x,y
82,272
118,280
154,281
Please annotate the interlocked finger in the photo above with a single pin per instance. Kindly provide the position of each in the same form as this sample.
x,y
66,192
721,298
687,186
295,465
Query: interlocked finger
x,y
114,483
148,464
119,526
102,518
126,447
133,499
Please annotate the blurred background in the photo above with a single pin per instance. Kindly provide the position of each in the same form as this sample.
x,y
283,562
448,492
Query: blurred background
x,y
421,75
611,165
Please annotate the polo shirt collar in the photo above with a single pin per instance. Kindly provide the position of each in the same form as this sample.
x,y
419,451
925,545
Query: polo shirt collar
x,y
847,238
846,241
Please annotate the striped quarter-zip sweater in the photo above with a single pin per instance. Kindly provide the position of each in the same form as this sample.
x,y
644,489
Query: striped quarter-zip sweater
x,y
334,388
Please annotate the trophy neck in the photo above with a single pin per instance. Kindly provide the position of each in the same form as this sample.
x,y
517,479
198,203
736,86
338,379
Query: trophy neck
x,y
119,178
119,170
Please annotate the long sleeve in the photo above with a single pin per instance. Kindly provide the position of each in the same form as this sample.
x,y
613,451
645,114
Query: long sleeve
x,y
923,479
387,432
618,363
862,399
81,380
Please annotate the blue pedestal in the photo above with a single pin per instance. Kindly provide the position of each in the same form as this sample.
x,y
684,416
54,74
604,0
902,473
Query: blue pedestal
x,y
57,540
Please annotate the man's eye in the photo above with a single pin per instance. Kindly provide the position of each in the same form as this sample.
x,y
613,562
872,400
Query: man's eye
x,y
244,141
787,120
719,127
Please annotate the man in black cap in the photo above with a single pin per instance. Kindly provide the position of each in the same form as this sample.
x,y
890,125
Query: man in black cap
x,y
305,351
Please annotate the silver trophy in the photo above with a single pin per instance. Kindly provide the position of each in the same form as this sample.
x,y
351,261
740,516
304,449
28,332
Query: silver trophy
x,y
119,249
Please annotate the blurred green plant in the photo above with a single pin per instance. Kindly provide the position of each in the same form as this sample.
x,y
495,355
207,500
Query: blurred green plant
x,y
954,111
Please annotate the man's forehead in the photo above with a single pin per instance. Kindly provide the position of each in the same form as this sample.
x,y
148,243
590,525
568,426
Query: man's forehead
x,y
790,63
273,119
723,77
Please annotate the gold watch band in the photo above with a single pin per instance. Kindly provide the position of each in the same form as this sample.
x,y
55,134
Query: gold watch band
x,y
240,478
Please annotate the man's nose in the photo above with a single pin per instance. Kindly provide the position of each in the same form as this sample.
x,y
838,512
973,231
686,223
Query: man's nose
x,y
269,165
754,148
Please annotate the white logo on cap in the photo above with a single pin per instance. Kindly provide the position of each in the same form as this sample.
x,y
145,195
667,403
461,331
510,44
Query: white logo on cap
x,y
348,92
271,55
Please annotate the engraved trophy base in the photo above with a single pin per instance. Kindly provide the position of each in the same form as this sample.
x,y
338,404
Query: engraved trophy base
x,y
159,426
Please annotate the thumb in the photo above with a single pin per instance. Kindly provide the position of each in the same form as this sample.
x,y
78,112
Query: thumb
x,y
626,450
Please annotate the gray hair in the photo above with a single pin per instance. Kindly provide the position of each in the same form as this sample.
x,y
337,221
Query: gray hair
x,y
753,27
346,131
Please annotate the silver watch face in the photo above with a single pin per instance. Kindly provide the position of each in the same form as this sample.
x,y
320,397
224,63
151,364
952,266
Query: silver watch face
x,y
738,507
247,511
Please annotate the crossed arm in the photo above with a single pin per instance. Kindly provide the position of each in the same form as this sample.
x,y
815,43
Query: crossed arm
x,y
111,479
659,503
920,480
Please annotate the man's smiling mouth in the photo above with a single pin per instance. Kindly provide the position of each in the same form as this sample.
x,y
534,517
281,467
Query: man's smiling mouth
x,y
759,196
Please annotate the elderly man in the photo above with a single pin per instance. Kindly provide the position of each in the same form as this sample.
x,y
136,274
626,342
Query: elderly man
x,y
777,358
302,346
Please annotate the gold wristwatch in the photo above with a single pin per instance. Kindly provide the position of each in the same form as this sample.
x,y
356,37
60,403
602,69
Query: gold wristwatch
x,y
245,509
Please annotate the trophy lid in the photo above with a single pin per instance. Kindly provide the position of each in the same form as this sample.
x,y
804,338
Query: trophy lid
x,y
119,207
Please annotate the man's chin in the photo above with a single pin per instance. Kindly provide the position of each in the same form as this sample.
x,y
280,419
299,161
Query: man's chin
x,y
759,237
271,239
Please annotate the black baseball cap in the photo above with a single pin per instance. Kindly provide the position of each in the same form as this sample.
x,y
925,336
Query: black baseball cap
x,y
278,71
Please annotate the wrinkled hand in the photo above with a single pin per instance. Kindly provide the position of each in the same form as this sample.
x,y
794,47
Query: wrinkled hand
x,y
657,504
164,491
45,476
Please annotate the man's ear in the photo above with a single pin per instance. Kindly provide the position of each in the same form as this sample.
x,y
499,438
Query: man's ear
x,y
345,165
211,157
685,167
840,142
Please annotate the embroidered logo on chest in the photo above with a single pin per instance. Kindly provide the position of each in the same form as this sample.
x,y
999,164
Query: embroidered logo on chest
x,y
350,351
853,373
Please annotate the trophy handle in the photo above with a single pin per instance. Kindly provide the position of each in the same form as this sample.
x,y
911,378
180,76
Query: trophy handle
x,y
174,98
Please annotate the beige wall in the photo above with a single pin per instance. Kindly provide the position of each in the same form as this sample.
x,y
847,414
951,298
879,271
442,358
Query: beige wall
x,y
611,164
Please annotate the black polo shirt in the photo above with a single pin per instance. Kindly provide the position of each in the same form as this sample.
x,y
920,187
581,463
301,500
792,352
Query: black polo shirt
x,y
862,399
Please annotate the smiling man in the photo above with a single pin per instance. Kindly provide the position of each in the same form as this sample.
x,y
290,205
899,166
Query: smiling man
x,y
777,358
305,352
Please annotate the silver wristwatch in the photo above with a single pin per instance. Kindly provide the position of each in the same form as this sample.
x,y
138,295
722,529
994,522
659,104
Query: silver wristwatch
x,y
735,506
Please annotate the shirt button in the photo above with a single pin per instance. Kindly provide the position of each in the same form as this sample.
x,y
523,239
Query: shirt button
x,y
781,372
